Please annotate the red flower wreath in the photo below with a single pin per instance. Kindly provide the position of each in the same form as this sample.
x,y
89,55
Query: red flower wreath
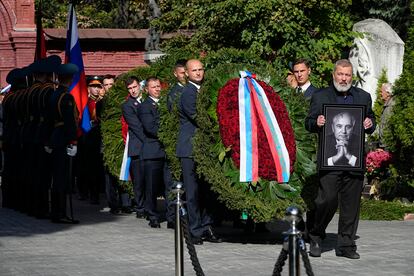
x,y
228,118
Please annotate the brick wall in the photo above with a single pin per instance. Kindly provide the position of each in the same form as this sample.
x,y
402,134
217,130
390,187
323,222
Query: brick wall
x,y
18,43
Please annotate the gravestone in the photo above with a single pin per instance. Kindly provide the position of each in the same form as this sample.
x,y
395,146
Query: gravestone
x,y
380,47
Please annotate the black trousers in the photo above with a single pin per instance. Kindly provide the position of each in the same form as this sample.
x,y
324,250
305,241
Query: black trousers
x,y
199,220
111,191
60,182
158,181
344,188
42,179
137,172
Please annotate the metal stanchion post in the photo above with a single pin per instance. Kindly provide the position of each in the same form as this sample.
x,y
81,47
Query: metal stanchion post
x,y
179,259
293,217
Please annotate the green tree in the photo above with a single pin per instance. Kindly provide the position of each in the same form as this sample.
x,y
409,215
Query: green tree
x,y
96,14
275,29
379,102
395,13
400,134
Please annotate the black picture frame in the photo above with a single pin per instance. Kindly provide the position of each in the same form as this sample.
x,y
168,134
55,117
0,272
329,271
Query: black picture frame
x,y
341,144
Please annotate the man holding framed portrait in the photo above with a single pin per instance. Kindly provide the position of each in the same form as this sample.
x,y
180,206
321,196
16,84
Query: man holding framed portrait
x,y
343,141
341,114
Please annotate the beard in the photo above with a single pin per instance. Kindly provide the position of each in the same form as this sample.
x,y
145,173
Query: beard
x,y
341,88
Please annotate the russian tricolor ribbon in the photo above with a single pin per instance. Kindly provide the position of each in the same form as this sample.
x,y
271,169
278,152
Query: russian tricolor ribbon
x,y
254,107
126,162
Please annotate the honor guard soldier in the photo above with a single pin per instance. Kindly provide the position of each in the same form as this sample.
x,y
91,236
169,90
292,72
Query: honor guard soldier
x,y
38,132
90,147
21,186
64,114
18,80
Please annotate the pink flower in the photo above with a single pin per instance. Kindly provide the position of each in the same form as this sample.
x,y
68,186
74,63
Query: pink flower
x,y
377,161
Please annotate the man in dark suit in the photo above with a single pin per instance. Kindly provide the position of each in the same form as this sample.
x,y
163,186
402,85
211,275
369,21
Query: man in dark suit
x,y
130,110
199,221
176,91
301,71
156,169
345,185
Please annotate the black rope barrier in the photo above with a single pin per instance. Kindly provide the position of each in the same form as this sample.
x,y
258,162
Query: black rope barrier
x,y
293,243
280,262
190,246
306,262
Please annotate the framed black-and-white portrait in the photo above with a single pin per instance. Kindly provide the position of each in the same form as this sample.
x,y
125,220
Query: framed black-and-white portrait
x,y
341,145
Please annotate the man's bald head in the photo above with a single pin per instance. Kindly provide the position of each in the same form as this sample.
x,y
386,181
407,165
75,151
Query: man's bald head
x,y
195,71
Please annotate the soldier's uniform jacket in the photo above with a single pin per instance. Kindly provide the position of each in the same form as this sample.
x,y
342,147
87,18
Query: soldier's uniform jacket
x,y
63,114
9,121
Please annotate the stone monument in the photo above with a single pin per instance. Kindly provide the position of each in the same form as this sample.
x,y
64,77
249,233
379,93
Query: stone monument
x,y
152,42
380,47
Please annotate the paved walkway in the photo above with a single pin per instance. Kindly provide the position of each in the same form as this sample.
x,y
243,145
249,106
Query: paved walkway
x,y
104,244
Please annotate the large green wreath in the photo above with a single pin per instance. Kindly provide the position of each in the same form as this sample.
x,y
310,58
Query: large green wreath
x,y
267,199
263,201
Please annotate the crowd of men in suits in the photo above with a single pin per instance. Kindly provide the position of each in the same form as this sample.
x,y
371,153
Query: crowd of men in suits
x,y
149,166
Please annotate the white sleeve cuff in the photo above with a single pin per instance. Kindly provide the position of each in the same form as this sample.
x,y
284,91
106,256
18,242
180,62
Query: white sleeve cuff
x,y
352,161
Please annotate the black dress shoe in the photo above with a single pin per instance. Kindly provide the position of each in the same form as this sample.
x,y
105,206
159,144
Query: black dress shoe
x,y
209,236
171,225
126,210
154,224
197,240
315,247
350,254
43,216
115,211
65,220
141,215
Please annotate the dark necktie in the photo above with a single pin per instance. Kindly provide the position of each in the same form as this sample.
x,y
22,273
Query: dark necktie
x,y
299,90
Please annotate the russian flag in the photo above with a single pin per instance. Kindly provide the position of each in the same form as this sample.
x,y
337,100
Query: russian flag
x,y
73,55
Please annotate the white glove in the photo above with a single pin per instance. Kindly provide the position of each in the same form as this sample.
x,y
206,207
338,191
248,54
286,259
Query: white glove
x,y
71,150
48,150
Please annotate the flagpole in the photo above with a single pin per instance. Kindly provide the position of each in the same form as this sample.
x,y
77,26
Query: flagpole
x,y
40,51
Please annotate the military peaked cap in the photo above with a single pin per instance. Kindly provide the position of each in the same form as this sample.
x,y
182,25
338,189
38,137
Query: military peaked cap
x,y
94,80
67,69
17,74
46,65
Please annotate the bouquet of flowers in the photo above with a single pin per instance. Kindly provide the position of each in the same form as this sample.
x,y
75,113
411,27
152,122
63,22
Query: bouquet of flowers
x,y
377,162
